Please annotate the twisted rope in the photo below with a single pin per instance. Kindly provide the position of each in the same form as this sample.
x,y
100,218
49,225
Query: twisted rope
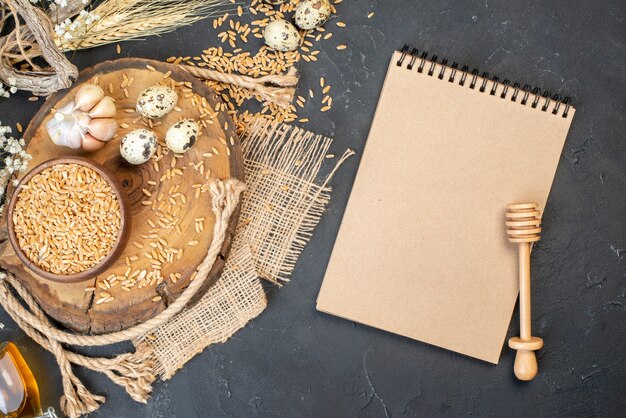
x,y
130,370
31,41
273,88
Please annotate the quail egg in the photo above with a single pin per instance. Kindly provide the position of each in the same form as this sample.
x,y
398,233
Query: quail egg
x,y
311,14
281,35
138,146
181,136
156,101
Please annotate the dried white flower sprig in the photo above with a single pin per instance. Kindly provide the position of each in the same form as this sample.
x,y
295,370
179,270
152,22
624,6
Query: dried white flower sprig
x,y
15,160
6,91
76,30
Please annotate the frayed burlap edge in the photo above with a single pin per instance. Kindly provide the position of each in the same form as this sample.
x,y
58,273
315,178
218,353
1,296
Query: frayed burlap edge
x,y
285,199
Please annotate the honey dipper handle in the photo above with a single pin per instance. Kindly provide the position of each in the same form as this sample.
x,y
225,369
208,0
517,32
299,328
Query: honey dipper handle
x,y
525,367
524,290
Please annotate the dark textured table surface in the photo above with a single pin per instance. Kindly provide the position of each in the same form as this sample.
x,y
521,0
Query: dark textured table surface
x,y
294,361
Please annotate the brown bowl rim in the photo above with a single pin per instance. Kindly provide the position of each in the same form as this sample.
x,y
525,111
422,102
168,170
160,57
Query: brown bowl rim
x,y
119,244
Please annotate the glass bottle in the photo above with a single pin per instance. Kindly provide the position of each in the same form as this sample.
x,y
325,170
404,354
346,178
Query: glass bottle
x,y
19,394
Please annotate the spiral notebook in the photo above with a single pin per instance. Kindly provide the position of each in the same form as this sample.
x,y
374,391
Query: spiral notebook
x,y
422,248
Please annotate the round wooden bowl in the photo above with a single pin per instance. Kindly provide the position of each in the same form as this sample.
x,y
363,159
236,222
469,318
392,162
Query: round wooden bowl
x,y
120,242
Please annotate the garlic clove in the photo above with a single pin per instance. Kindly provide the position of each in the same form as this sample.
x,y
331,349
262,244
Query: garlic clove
x,y
103,129
105,108
87,96
91,144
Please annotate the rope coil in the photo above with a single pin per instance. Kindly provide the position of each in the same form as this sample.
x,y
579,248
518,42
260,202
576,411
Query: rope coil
x,y
29,41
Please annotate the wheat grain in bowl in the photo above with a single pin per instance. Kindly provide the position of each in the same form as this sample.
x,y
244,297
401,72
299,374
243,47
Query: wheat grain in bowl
x,y
66,218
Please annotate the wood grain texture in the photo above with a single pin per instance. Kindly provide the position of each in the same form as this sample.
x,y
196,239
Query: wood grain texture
x,y
70,304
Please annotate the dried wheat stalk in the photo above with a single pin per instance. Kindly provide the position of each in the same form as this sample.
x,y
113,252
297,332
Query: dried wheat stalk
x,y
123,20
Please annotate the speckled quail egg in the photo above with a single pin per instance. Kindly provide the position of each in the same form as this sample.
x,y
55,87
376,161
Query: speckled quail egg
x,y
181,136
281,35
311,14
138,146
156,101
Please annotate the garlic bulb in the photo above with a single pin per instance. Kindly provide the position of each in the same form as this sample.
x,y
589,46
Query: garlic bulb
x,y
67,128
87,122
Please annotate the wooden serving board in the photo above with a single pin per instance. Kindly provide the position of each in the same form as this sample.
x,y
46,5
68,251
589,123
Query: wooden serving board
x,y
172,191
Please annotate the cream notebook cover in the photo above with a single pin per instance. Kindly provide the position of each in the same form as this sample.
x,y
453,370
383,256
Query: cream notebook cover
x,y
422,249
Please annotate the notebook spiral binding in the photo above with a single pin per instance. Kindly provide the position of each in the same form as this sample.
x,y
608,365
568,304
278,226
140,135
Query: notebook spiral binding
x,y
421,59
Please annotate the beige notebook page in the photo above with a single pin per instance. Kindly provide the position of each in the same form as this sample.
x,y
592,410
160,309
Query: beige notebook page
x,y
422,249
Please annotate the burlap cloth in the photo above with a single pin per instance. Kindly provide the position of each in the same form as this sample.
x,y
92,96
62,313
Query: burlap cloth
x,y
282,204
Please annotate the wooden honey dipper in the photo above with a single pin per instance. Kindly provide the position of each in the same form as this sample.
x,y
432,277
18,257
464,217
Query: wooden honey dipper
x,y
523,222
